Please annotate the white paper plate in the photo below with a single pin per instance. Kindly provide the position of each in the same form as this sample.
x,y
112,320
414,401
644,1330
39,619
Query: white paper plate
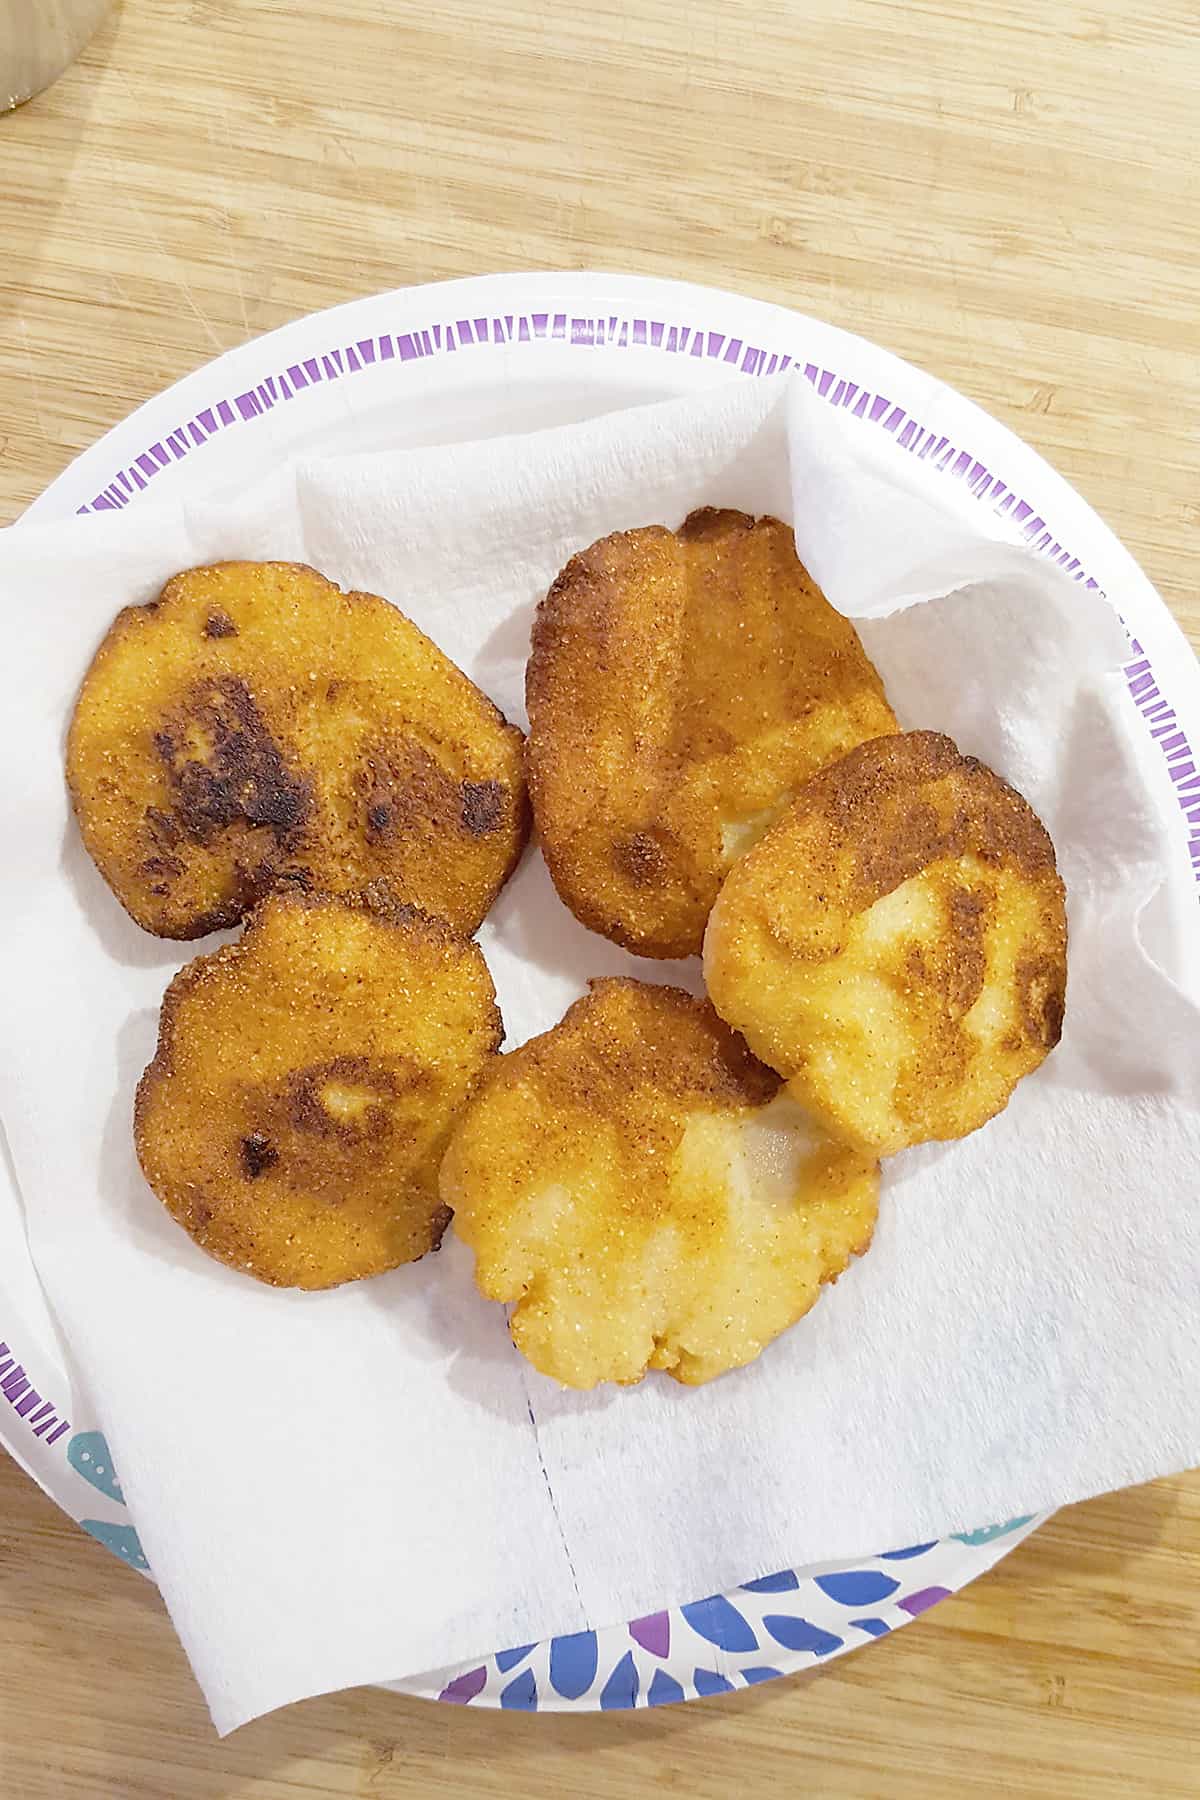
x,y
473,359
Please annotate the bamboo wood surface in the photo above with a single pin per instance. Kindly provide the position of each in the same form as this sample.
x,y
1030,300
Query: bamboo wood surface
x,y
1007,195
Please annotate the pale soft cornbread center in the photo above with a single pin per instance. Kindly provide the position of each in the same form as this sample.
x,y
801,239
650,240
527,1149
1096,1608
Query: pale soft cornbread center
x,y
646,1195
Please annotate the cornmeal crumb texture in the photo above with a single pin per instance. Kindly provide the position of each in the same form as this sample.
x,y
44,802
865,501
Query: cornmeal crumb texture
x,y
255,728
646,1196
896,945
305,1084
681,687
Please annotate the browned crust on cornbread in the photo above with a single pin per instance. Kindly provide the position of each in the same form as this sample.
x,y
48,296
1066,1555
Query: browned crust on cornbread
x,y
256,727
678,682
392,1013
841,999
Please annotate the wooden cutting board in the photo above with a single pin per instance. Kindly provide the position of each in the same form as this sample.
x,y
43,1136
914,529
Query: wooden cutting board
x,y
1007,195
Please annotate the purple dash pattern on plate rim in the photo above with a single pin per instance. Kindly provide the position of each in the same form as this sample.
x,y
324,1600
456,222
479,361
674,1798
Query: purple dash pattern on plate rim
x,y
614,331
41,1416
790,1620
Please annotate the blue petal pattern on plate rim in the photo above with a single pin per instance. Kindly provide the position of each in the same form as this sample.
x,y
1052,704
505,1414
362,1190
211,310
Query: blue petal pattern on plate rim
x,y
682,1653
522,1693
775,1625
687,1652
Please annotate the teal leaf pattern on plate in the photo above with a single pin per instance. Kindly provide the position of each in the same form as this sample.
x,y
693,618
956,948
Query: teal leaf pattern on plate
x,y
88,1454
122,1540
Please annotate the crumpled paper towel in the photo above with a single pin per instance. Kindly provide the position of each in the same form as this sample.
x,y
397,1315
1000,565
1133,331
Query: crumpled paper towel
x,y
354,1486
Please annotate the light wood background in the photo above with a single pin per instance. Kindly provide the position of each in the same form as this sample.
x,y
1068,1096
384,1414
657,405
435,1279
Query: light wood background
x,y
1007,194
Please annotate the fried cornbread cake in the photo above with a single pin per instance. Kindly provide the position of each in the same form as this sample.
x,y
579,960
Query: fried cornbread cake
x,y
896,945
645,1194
305,1084
682,686
256,728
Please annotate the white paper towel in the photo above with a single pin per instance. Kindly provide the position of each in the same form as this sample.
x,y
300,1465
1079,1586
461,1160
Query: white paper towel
x,y
354,1486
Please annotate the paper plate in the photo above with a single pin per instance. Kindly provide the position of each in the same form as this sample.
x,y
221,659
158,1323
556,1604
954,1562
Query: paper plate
x,y
479,358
